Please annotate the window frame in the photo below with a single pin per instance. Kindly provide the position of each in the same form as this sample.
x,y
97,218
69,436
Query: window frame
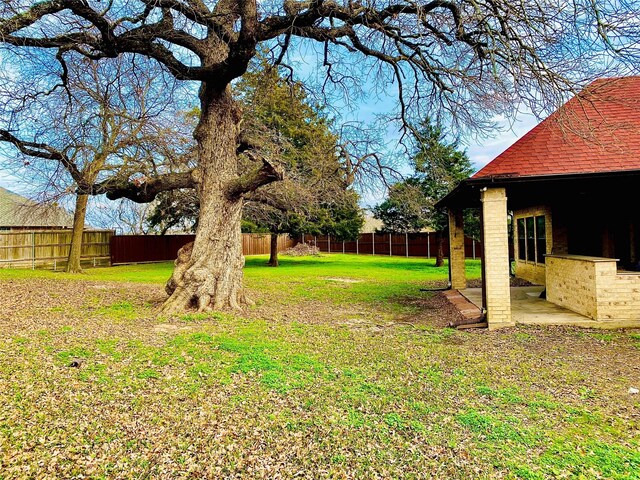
x,y
525,225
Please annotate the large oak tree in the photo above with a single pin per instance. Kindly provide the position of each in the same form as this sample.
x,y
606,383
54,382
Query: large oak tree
x,y
316,195
470,58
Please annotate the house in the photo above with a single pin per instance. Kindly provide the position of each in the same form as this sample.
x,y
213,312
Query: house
x,y
573,185
371,224
20,213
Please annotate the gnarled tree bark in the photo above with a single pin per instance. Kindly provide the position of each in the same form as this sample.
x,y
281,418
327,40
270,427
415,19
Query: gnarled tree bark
x,y
209,274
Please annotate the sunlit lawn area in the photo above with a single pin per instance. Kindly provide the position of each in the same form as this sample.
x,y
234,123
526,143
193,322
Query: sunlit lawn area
x,y
378,278
338,371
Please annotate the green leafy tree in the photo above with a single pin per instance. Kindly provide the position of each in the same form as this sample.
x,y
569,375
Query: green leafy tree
x,y
439,166
405,210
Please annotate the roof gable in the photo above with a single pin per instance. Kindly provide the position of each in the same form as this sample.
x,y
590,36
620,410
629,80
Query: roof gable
x,y
597,131
18,211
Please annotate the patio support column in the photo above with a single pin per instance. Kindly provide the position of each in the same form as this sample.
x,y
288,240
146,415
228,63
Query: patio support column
x,y
495,261
456,250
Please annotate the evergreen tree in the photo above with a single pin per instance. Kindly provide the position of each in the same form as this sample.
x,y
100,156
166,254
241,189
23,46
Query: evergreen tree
x,y
439,167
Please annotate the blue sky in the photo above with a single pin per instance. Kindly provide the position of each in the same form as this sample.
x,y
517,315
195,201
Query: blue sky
x,y
480,151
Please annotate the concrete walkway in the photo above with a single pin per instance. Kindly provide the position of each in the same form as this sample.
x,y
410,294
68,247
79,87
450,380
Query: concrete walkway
x,y
528,308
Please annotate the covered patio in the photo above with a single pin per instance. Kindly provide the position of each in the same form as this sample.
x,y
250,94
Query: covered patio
x,y
570,206
527,308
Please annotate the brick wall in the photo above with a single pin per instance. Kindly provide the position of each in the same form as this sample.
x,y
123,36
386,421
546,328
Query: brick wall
x,y
571,283
592,287
618,295
496,259
456,250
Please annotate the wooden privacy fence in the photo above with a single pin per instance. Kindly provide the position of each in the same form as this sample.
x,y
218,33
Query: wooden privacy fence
x,y
50,248
260,244
405,245
161,248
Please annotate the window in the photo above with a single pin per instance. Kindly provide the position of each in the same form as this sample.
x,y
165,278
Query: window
x,y
532,239
541,239
522,248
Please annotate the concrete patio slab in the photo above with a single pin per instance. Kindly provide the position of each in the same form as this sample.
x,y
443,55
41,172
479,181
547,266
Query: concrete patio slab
x,y
528,308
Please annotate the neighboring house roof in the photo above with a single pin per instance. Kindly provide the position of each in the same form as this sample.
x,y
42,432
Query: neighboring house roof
x,y
595,132
18,211
371,225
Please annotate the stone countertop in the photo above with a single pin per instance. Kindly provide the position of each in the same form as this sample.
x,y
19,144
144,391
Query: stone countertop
x,y
582,258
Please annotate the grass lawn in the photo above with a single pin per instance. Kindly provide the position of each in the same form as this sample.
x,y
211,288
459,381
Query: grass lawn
x,y
340,370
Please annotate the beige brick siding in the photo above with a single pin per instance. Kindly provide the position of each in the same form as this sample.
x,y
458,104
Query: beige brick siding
x,y
496,257
456,250
528,270
592,287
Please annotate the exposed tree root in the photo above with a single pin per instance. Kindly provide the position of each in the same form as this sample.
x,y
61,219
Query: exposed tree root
x,y
194,285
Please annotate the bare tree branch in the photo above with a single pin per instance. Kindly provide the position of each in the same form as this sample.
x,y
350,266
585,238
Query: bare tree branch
x,y
44,151
254,179
142,190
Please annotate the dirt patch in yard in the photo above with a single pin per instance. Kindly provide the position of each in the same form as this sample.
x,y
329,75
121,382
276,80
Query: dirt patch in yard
x,y
343,280
432,309
41,304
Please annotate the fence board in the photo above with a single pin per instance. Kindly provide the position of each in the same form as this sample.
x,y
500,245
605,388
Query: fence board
x,y
410,245
50,248
161,248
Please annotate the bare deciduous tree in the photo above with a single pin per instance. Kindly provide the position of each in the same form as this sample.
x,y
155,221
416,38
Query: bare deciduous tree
x,y
468,58
106,121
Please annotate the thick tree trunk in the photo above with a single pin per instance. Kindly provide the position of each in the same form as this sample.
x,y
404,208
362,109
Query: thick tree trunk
x,y
273,251
73,261
439,249
208,275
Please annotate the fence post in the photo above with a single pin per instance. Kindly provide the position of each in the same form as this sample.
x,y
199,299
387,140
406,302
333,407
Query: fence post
x,y
473,243
33,250
342,246
315,241
406,244
428,246
373,244
303,238
358,245
389,244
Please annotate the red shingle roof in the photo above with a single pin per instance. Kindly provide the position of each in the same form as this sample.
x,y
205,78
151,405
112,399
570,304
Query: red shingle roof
x,y
594,132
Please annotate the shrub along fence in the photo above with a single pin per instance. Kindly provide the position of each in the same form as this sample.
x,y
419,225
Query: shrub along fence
x,y
161,248
421,244
50,248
